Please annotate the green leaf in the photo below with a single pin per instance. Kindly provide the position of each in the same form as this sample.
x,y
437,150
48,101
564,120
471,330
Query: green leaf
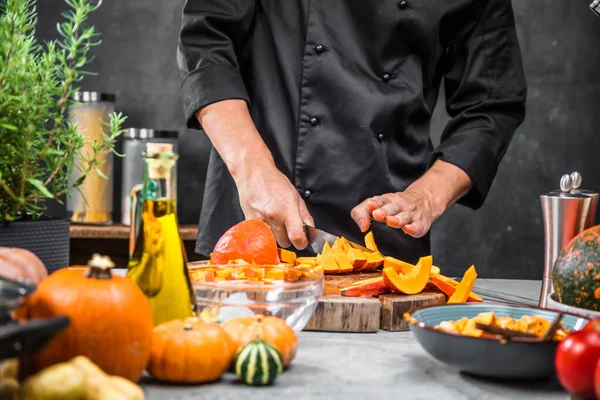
x,y
8,127
39,185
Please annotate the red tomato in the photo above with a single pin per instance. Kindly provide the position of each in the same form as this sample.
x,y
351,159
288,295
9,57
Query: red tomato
x,y
592,324
597,380
575,362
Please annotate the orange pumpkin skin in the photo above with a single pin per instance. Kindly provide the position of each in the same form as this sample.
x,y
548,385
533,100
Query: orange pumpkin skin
x,y
276,331
251,240
16,263
189,351
110,322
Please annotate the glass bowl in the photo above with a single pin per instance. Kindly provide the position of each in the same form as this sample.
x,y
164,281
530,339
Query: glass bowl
x,y
223,292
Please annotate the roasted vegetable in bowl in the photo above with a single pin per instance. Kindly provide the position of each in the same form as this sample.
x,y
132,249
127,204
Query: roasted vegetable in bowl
x,y
530,324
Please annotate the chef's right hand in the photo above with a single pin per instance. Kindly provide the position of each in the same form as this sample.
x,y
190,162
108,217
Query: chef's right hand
x,y
267,194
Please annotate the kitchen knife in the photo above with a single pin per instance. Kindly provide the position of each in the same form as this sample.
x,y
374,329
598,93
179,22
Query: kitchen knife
x,y
317,239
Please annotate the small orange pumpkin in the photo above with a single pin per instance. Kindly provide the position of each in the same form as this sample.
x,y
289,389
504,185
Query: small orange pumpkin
x,y
189,351
251,240
16,263
110,320
276,331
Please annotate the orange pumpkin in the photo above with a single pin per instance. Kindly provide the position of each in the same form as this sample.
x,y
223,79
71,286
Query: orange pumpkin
x,y
16,263
110,320
251,240
276,331
189,351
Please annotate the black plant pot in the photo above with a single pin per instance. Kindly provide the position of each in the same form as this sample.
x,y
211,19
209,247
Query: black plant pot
x,y
48,239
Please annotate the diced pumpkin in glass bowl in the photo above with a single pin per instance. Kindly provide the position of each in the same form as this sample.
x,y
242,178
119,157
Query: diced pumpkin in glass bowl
x,y
224,292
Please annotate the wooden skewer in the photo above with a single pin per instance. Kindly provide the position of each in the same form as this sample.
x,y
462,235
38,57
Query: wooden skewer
x,y
507,333
549,335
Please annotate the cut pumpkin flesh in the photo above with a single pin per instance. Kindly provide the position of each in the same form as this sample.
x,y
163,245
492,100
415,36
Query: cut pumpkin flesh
x,y
411,283
286,256
329,264
367,287
306,260
448,286
403,266
374,260
343,262
339,257
370,242
357,258
464,287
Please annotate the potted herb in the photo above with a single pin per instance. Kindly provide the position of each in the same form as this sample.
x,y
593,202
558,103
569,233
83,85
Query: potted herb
x,y
39,148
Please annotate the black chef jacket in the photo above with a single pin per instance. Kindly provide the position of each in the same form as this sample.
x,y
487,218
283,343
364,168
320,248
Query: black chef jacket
x,y
342,92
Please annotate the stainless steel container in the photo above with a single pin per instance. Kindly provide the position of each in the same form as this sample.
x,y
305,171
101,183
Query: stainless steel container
x,y
577,181
565,215
90,110
134,143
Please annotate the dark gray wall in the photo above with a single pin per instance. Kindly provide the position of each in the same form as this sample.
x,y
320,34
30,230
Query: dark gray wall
x,y
505,237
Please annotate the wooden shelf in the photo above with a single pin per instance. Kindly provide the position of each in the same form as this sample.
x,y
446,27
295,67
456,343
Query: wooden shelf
x,y
118,231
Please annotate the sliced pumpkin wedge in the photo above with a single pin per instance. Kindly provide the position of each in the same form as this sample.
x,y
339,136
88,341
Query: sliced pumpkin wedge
x,y
365,288
328,261
343,262
411,283
286,256
370,242
403,266
357,258
439,282
374,260
464,287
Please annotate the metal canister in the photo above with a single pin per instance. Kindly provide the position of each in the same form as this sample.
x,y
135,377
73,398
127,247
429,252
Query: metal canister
x,y
90,111
134,143
565,215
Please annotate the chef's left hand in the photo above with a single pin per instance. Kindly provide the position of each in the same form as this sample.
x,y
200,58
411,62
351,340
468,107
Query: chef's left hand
x,y
411,211
416,208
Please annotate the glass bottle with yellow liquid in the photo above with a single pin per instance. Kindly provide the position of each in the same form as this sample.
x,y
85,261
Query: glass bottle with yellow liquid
x,y
156,254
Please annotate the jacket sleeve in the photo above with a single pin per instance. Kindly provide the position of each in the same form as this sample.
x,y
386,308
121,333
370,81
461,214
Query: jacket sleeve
x,y
485,95
212,34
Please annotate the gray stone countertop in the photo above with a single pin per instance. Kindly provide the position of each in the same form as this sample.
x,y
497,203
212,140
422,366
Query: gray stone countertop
x,y
383,365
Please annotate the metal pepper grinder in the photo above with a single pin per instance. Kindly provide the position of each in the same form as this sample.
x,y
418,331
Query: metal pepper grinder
x,y
565,215
577,181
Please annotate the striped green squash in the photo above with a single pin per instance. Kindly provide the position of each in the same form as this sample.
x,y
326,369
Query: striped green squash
x,y
258,363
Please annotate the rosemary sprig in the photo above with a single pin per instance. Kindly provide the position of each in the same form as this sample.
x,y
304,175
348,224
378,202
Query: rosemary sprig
x,y
39,148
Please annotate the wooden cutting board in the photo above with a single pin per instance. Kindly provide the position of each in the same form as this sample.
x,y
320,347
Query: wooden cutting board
x,y
365,314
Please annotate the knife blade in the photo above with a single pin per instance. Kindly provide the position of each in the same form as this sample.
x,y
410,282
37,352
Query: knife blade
x,y
317,239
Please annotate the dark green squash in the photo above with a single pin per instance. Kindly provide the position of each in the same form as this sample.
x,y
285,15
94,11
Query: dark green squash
x,y
576,272
258,363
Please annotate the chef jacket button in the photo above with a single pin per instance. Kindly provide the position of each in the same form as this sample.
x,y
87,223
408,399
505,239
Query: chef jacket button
x,y
314,121
307,193
385,77
402,4
319,48
380,137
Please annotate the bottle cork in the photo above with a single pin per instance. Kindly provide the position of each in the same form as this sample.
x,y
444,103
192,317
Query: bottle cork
x,y
159,148
159,168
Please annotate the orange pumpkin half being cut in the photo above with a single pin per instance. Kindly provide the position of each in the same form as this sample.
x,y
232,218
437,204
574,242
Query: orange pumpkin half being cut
x,y
251,240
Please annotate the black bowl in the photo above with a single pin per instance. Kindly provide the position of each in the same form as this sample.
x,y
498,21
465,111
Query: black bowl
x,y
489,357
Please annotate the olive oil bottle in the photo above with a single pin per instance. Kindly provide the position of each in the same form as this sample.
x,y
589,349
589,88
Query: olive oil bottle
x,y
156,261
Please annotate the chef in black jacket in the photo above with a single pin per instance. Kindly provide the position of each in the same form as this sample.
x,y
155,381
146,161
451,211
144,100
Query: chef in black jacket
x,y
319,112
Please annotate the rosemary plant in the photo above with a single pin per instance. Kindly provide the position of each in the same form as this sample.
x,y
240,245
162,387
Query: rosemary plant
x,y
39,148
